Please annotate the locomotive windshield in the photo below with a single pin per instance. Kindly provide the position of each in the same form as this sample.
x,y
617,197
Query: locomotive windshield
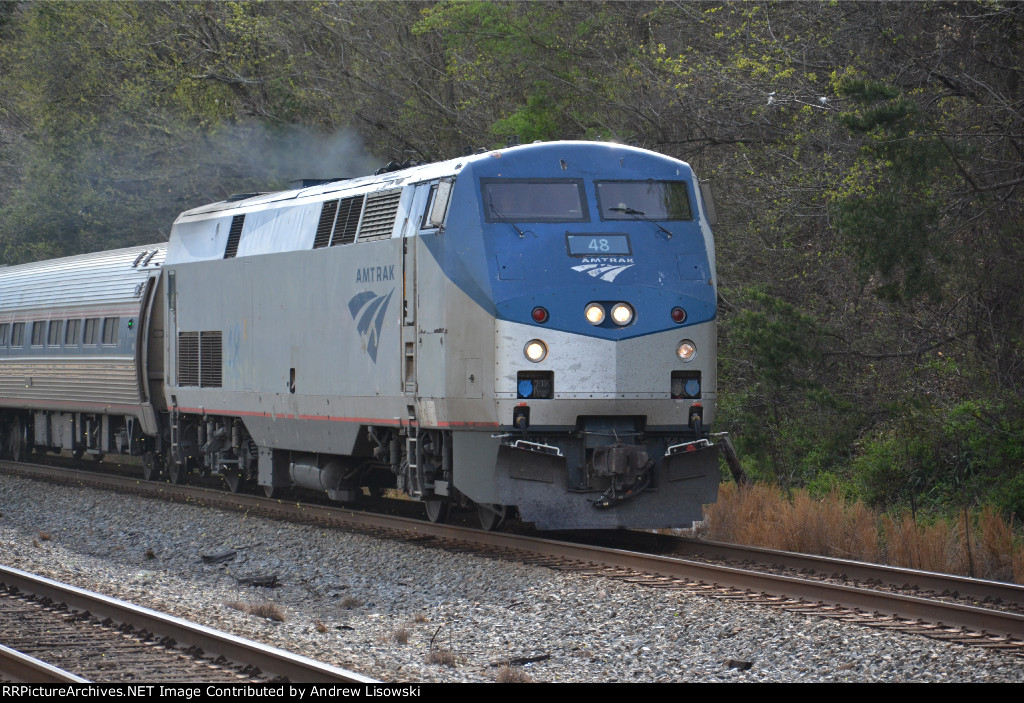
x,y
655,200
534,200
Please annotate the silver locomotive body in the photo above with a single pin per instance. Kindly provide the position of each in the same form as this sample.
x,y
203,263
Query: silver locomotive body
x,y
427,330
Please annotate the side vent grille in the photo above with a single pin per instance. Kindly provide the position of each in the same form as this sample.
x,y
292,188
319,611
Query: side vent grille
x,y
210,356
188,358
348,220
234,236
326,225
200,359
379,220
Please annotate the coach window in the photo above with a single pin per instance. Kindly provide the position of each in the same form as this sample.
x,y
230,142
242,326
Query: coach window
x,y
110,325
38,333
91,331
71,334
53,335
3,333
17,334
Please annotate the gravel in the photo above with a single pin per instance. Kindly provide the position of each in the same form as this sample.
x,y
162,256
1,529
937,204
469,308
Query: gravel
x,y
406,613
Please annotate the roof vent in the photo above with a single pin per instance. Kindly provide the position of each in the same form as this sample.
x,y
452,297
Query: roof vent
x,y
310,182
241,196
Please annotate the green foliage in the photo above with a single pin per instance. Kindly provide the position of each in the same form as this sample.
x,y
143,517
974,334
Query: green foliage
x,y
896,467
785,417
932,457
776,337
1008,496
894,223
536,120
826,483
538,70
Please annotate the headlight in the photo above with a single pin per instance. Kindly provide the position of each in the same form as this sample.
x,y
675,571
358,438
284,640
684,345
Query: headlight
x,y
686,350
594,313
535,350
622,314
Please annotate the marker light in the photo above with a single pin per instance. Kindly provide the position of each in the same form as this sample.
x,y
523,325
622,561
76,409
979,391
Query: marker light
x,y
594,314
678,315
540,315
535,350
622,314
686,350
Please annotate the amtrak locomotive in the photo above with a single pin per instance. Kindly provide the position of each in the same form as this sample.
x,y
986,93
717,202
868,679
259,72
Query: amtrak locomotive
x,y
526,330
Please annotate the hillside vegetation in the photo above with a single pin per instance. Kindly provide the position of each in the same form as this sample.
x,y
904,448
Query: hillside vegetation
x,y
867,160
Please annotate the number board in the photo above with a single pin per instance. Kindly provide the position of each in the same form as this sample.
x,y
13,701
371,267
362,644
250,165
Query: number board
x,y
598,244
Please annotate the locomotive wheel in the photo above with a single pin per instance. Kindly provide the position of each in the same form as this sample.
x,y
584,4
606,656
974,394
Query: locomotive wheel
x,y
273,491
152,466
177,472
437,509
491,515
234,480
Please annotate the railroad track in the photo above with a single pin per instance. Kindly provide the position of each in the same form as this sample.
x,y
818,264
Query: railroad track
x,y
56,633
972,591
987,618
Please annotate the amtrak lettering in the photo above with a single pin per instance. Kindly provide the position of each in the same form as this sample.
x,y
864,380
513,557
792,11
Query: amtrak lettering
x,y
368,310
372,274
604,267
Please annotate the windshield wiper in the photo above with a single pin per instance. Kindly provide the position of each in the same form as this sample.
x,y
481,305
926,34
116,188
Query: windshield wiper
x,y
640,215
502,217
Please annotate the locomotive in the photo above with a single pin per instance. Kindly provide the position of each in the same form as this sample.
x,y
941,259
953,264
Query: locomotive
x,y
528,330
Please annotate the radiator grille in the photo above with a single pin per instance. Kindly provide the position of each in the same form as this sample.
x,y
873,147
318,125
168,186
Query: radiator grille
x,y
200,359
326,224
210,358
348,220
379,220
188,358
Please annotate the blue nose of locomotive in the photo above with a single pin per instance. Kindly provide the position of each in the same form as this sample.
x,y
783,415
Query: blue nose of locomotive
x,y
604,242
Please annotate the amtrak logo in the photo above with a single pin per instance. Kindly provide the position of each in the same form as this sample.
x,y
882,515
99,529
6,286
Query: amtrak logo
x,y
604,268
368,310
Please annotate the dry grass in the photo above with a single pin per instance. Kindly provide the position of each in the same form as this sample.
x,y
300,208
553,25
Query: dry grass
x,y
513,674
350,602
45,536
401,635
996,551
420,618
935,547
270,611
1018,564
760,515
440,655
320,627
